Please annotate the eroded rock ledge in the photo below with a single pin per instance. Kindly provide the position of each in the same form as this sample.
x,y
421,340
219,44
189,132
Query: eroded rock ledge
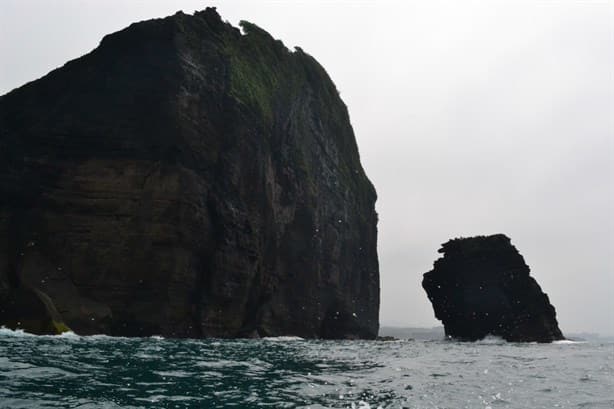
x,y
481,286
189,180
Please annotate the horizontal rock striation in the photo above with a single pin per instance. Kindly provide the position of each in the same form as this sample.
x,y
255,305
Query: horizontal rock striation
x,y
190,180
481,286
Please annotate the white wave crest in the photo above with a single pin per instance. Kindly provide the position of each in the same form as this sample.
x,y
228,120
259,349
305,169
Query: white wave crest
x,y
67,334
21,333
491,340
14,333
568,341
283,338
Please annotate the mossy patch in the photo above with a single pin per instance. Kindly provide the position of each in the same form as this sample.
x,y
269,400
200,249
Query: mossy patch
x,y
60,327
262,70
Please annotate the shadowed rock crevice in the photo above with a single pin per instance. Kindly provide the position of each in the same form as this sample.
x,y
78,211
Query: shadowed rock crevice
x,y
481,286
189,180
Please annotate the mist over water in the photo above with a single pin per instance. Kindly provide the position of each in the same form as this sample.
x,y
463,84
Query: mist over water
x,y
106,372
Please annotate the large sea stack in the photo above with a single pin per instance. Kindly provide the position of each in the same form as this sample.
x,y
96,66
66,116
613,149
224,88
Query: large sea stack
x,y
188,179
481,286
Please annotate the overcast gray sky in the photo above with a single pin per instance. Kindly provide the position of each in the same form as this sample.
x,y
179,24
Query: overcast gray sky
x,y
472,117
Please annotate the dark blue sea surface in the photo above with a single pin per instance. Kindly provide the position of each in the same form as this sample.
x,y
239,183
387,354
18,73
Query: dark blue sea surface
x,y
70,371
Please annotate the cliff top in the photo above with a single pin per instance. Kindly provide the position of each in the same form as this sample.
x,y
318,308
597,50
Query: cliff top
x,y
474,244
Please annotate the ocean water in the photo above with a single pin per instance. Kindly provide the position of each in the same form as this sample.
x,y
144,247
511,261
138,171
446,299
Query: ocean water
x,y
70,371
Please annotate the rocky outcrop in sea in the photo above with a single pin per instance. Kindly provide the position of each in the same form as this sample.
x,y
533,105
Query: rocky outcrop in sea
x,y
481,286
190,179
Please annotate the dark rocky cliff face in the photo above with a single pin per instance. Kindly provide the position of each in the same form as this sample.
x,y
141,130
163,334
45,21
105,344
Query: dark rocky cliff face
x,y
187,180
482,286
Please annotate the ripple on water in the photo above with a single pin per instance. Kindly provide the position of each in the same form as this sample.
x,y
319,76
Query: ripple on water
x,y
40,372
99,372
174,374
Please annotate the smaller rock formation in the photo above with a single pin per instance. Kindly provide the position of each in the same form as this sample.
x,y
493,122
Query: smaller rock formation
x,y
481,286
